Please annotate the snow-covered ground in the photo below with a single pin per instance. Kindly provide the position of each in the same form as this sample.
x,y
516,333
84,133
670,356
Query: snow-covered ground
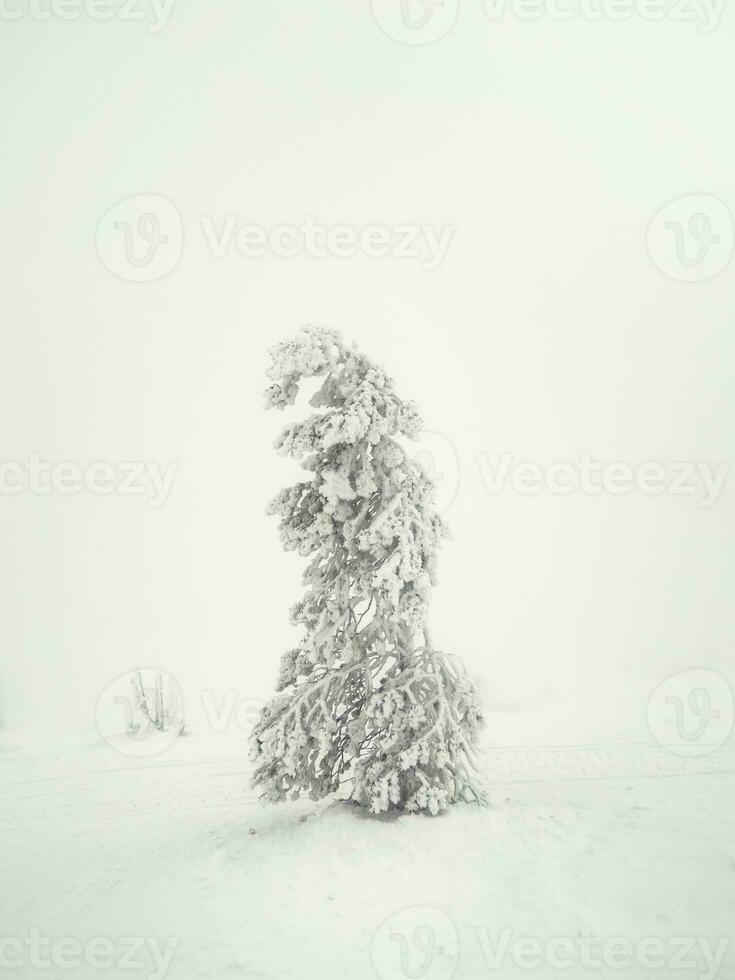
x,y
603,854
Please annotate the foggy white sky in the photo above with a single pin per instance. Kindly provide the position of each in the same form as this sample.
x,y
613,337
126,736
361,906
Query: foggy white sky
x,y
547,332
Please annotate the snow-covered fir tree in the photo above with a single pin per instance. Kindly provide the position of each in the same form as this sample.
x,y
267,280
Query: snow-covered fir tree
x,y
365,697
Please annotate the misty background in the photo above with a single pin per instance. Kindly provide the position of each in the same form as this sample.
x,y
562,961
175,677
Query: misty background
x,y
547,331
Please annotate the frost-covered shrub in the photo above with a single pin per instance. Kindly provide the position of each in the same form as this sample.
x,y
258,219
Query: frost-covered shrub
x,y
365,697
152,708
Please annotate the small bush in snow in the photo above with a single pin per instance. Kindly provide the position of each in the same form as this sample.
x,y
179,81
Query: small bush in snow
x,y
153,708
365,696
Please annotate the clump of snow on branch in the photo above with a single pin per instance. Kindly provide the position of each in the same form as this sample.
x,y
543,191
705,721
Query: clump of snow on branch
x,y
365,697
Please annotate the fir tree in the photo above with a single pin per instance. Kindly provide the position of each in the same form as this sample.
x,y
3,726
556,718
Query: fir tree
x,y
365,697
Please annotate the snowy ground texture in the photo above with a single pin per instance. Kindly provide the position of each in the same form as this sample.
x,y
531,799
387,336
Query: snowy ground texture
x,y
597,858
